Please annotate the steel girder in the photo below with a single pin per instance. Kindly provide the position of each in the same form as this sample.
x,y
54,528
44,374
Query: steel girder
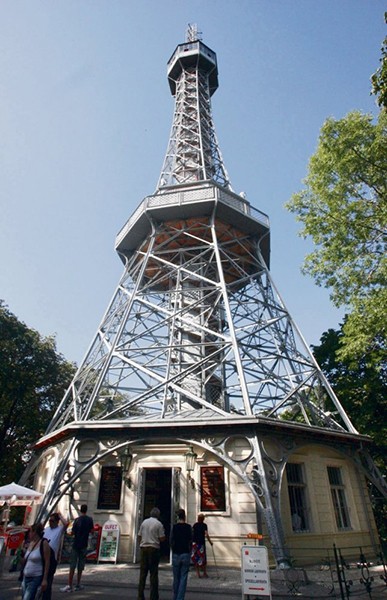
x,y
197,324
193,153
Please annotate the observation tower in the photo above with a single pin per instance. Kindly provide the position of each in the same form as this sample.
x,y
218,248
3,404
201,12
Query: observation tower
x,y
196,350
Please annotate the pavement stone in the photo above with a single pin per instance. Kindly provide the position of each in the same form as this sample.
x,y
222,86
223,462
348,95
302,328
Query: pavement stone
x,y
306,584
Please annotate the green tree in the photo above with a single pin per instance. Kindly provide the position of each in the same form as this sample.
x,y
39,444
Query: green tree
x,y
379,78
343,208
361,386
33,378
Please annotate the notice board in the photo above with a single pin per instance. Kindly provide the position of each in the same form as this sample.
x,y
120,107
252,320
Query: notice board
x,y
110,536
109,495
213,493
255,572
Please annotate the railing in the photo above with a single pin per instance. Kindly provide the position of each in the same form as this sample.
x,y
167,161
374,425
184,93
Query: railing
x,y
191,196
356,572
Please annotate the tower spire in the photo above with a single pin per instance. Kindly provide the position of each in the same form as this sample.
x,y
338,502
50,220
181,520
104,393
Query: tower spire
x,y
192,34
193,153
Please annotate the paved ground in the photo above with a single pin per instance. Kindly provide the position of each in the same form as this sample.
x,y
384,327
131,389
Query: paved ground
x,y
112,582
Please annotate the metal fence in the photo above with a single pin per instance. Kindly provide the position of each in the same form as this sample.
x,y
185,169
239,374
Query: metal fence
x,y
343,573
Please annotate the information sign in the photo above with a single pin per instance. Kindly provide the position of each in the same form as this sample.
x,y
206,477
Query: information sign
x,y
213,494
254,536
109,496
108,547
255,572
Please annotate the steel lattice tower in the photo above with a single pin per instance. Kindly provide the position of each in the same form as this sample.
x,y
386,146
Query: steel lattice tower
x,y
196,334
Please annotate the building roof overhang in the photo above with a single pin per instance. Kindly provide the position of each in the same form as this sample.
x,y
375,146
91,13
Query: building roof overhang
x,y
174,428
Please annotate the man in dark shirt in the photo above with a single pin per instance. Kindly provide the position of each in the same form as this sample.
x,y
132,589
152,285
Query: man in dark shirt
x,y
181,542
81,529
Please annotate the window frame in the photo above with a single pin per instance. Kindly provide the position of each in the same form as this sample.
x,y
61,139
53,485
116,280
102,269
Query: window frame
x,y
298,498
339,498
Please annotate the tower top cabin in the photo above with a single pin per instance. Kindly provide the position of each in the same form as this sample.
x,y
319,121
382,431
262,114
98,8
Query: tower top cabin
x,y
193,55
194,183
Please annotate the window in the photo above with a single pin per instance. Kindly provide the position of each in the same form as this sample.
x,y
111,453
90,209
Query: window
x,y
297,496
213,492
109,496
338,498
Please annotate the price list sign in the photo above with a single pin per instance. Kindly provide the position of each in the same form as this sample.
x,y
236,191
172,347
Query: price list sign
x,y
255,572
108,547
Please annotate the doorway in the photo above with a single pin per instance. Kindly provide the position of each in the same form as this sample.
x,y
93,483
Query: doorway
x,y
158,492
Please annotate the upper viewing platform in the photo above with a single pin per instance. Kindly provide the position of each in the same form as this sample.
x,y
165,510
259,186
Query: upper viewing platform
x,y
194,201
196,55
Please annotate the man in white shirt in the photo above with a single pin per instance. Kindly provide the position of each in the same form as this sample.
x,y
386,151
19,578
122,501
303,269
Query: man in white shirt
x,y
151,533
53,533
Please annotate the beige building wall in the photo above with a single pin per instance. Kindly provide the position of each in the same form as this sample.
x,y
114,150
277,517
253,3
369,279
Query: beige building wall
x,y
229,529
317,543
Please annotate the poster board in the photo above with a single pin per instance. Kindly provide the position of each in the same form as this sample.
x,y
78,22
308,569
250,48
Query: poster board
x,y
92,545
255,572
212,487
110,536
110,485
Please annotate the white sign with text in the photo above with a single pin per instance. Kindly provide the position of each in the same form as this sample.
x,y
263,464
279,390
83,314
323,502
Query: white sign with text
x,y
108,547
255,572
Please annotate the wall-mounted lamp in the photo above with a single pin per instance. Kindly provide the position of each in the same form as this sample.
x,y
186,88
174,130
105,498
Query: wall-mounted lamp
x,y
190,461
126,460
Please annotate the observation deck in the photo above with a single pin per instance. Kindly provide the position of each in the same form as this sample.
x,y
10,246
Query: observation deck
x,y
194,201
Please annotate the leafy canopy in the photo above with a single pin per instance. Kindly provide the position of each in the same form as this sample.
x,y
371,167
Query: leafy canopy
x,y
33,378
379,78
361,386
343,207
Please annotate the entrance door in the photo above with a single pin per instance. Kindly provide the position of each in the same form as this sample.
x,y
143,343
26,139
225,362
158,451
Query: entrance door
x,y
158,492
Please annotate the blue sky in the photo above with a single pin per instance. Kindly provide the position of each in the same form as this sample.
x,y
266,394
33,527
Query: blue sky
x,y
85,116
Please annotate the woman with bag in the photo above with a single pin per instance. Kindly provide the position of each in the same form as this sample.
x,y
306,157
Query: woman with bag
x,y
36,563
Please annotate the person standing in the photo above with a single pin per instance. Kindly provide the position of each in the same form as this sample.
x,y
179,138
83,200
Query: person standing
x,y
53,533
150,535
36,563
82,526
181,544
199,536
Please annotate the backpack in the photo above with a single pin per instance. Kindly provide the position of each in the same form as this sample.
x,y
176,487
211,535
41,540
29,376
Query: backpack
x,y
53,563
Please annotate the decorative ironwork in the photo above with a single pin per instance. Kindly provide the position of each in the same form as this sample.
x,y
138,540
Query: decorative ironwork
x,y
341,566
366,578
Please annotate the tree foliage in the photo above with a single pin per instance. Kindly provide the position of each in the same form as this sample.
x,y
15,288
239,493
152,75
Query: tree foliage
x,y
33,378
343,207
379,78
361,386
